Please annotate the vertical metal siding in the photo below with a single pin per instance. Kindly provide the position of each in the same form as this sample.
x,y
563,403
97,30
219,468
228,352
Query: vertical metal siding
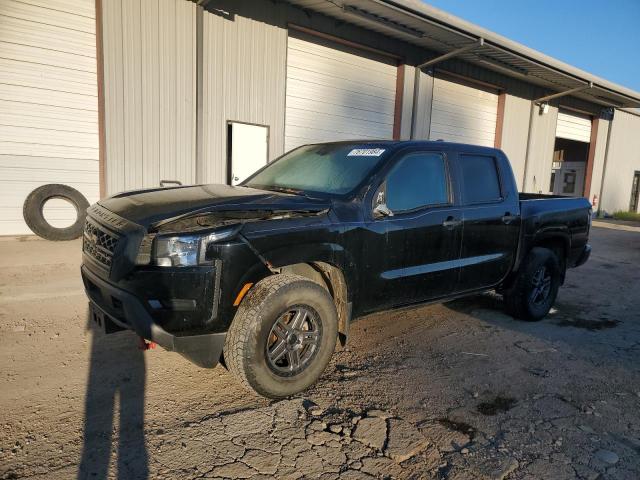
x,y
407,102
422,106
624,159
515,129
149,64
244,76
543,137
598,158
48,104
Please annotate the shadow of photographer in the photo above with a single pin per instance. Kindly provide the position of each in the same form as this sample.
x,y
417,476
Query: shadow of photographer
x,y
116,386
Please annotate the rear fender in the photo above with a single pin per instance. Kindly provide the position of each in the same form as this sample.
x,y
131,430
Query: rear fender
x,y
544,237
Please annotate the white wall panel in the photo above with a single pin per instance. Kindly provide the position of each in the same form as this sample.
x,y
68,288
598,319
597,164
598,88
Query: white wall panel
x,y
515,130
574,126
48,104
150,92
462,113
598,159
336,95
543,138
244,74
623,161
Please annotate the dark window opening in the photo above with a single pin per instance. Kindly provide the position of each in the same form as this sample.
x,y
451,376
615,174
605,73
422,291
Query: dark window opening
x,y
480,181
570,151
417,180
635,192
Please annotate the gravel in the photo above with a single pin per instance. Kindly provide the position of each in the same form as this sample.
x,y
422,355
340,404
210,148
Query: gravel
x,y
553,399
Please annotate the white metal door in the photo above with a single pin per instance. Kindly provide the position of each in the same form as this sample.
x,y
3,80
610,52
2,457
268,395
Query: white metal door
x,y
569,178
573,126
462,113
333,94
48,106
249,150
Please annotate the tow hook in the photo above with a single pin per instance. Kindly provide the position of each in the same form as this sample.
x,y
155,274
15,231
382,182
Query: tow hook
x,y
145,345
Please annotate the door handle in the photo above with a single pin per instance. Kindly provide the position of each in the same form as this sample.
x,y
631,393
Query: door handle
x,y
507,218
451,223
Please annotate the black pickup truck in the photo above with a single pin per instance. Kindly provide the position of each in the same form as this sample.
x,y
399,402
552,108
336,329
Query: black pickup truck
x,y
268,275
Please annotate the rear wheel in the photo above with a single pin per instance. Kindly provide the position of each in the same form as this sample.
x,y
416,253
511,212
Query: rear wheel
x,y
282,336
536,287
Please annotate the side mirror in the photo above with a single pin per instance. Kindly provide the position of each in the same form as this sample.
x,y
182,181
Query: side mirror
x,y
382,210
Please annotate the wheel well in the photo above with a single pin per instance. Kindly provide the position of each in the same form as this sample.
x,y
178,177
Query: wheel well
x,y
331,278
559,247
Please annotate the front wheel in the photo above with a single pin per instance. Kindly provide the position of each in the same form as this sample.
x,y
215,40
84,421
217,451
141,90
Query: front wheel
x,y
282,336
536,286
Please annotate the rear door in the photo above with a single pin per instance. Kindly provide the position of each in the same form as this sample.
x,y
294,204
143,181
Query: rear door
x,y
491,220
418,191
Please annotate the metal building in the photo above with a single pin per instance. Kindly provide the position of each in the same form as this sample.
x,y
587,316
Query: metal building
x,y
112,95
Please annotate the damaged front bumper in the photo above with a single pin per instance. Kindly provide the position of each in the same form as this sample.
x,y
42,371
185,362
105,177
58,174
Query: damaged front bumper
x,y
115,309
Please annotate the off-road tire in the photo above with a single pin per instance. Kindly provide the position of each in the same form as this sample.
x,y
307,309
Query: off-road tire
x,y
245,346
34,217
517,298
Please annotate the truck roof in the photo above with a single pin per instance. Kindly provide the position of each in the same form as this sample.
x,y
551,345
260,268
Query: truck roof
x,y
427,144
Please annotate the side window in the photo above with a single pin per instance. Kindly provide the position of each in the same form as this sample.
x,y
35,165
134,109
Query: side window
x,y
480,182
417,180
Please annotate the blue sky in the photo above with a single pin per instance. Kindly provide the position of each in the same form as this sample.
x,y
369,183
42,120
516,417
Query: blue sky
x,y
599,36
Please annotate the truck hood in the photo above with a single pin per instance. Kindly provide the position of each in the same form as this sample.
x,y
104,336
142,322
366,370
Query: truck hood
x,y
153,207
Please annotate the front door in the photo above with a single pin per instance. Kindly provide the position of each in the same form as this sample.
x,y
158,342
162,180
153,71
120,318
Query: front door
x,y
424,229
491,223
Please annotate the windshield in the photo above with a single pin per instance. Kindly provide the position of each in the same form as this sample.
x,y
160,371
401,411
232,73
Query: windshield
x,y
325,168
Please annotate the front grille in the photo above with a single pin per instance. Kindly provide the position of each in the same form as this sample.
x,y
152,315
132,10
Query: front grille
x,y
98,243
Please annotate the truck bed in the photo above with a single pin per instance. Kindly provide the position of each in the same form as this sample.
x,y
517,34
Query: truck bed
x,y
539,196
566,216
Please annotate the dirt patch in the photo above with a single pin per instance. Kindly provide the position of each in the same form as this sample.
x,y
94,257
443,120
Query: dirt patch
x,y
497,405
461,427
591,325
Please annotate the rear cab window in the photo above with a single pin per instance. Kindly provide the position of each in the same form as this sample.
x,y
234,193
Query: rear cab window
x,y
480,179
417,180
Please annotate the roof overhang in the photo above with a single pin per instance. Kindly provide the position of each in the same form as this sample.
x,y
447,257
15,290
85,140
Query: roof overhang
x,y
424,26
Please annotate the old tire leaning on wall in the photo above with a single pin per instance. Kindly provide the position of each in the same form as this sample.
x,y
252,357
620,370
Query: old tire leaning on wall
x,y
32,211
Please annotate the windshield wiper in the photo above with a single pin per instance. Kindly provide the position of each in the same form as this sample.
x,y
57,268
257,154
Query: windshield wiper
x,y
273,188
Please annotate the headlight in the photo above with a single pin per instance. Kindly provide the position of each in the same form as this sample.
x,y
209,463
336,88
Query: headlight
x,y
182,250
177,251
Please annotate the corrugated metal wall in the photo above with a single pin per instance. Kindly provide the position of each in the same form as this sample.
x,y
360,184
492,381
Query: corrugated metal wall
x,y
244,76
422,106
598,159
624,159
542,142
515,130
150,92
407,102
48,105
151,65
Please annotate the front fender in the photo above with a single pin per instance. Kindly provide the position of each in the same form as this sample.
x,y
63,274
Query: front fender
x,y
330,253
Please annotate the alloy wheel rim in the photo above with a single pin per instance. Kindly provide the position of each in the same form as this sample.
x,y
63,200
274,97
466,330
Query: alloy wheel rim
x,y
541,286
294,340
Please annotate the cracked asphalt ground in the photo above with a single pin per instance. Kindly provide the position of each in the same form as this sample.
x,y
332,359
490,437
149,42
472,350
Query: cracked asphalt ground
x,y
455,391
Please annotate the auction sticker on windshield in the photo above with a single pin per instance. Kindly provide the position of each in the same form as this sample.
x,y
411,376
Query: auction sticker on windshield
x,y
366,152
